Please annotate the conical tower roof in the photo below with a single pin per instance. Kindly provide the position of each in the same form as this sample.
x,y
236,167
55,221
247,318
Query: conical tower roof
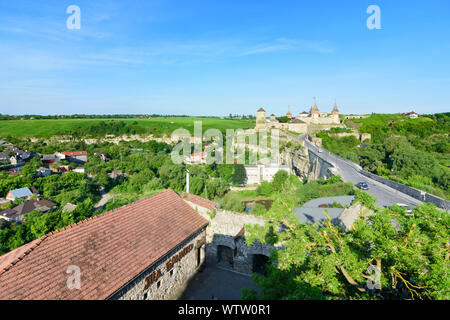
x,y
261,109
335,108
314,108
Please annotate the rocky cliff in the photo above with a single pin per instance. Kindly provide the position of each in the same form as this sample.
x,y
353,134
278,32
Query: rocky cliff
x,y
306,164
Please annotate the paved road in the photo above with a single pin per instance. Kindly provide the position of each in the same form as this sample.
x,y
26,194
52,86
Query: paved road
x,y
104,199
385,195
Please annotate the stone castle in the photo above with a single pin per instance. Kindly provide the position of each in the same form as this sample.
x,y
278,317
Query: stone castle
x,y
303,123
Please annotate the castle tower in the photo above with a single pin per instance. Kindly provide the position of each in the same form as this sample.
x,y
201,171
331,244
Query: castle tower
x,y
261,116
335,113
273,118
315,113
289,114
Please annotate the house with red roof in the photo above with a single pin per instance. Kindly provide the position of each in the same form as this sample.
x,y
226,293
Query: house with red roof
x,y
76,156
148,249
411,115
196,158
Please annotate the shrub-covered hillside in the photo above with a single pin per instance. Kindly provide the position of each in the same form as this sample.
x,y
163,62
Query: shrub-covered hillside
x,y
415,152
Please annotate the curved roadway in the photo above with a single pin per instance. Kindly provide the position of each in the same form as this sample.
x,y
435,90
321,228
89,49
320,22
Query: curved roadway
x,y
386,196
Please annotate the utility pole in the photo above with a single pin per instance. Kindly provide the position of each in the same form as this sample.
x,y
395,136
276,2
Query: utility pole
x,y
187,180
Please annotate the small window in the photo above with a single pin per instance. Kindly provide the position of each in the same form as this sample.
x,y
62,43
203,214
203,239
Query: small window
x,y
158,284
171,272
145,296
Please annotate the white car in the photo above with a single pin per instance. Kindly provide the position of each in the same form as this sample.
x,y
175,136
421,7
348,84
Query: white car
x,y
320,150
408,210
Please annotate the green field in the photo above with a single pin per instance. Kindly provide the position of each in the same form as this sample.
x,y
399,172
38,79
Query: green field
x,y
100,127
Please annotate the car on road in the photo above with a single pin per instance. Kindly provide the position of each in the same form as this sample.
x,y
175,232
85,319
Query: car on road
x,y
408,211
363,185
320,150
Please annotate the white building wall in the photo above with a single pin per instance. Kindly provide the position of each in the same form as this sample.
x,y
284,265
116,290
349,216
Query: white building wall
x,y
259,173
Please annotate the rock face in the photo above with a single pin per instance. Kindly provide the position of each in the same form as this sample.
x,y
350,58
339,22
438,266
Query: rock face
x,y
318,168
298,160
111,138
306,164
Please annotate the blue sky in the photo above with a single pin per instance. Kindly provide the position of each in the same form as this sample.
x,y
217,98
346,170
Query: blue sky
x,y
218,57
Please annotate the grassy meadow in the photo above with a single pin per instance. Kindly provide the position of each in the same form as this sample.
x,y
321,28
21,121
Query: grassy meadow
x,y
44,128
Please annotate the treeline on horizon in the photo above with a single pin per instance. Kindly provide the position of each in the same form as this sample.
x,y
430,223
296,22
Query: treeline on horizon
x,y
114,116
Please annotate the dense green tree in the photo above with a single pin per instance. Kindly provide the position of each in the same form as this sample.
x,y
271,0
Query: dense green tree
x,y
265,189
279,179
321,261
196,185
239,174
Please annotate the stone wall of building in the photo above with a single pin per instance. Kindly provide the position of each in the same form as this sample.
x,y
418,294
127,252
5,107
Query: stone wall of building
x,y
356,117
225,230
170,284
360,136
201,210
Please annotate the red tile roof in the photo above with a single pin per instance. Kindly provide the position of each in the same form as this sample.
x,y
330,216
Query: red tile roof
x,y
200,154
202,202
75,153
110,249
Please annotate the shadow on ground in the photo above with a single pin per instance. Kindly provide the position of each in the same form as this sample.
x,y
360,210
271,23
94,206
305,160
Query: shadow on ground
x,y
217,283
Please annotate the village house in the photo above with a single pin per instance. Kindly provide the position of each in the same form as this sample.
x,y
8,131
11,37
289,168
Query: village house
x,y
4,156
196,158
43,172
411,115
26,155
14,160
15,171
60,169
22,193
18,154
79,170
76,156
52,158
16,214
154,262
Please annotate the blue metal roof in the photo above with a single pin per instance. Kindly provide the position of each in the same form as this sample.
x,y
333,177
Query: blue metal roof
x,y
21,193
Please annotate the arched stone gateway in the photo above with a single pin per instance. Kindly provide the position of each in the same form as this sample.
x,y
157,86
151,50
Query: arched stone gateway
x,y
225,255
259,262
